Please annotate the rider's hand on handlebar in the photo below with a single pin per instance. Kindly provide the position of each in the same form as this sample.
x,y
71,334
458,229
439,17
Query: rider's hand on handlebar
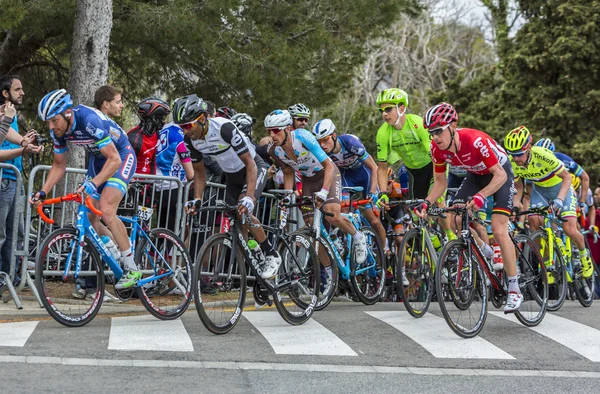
x,y
476,202
190,206
382,201
37,198
421,211
246,205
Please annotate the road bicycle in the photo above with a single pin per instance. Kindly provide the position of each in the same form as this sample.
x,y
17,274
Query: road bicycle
x,y
223,260
463,274
365,280
73,252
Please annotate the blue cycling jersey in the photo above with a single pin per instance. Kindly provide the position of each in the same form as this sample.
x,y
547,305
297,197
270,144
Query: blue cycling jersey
x,y
93,130
171,152
309,154
352,154
569,163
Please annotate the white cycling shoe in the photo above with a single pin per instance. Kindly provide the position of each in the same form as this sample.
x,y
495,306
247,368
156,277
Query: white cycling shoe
x,y
270,266
360,248
513,302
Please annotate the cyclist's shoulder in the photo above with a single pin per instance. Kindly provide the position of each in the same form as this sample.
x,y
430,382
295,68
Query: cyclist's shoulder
x,y
306,137
543,155
414,121
384,130
172,131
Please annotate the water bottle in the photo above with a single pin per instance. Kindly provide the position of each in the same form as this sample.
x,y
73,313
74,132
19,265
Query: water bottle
x,y
435,240
112,248
256,251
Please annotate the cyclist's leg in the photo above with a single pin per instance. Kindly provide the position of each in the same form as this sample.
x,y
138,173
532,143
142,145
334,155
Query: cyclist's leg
x,y
570,227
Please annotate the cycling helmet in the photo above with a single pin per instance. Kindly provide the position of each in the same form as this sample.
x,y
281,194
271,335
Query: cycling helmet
x,y
518,140
392,96
323,128
54,103
575,181
546,143
299,111
189,108
439,115
243,122
153,107
278,118
225,112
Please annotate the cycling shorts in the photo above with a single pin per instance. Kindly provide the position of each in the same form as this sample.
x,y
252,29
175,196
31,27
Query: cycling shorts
x,y
359,177
120,179
235,182
543,196
503,198
313,184
420,181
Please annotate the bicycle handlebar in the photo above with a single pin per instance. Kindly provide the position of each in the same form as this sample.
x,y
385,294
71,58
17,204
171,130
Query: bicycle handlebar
x,y
76,197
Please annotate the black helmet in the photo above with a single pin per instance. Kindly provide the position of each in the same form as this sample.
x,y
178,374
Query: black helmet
x,y
153,107
189,108
244,123
226,112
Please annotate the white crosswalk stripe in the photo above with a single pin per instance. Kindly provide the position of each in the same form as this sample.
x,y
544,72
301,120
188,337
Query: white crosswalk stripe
x,y
310,338
16,334
433,334
578,337
148,333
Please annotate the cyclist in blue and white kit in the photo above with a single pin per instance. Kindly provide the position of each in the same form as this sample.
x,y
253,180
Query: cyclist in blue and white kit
x,y
356,166
299,150
112,164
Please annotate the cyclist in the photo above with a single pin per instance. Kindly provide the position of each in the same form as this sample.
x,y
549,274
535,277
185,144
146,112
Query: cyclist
x,y
489,173
225,112
300,115
112,164
297,149
144,137
356,166
245,172
551,186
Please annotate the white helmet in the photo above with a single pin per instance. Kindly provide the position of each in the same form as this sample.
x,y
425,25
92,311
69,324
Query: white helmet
x,y
278,118
299,111
323,128
243,122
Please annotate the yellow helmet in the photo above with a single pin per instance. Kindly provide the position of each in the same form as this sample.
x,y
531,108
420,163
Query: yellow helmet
x,y
575,181
518,140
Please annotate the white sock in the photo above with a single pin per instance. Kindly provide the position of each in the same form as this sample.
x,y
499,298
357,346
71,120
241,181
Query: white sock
x,y
329,271
128,261
358,236
487,251
513,285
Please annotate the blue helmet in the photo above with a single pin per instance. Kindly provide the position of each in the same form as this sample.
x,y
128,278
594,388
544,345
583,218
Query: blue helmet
x,y
54,103
546,143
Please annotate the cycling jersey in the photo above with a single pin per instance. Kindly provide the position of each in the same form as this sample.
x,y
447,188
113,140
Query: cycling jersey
x,y
171,153
543,168
144,147
352,154
411,144
224,143
477,154
569,163
309,154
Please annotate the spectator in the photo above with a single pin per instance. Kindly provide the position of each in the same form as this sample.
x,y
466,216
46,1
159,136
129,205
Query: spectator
x,y
108,100
595,247
11,95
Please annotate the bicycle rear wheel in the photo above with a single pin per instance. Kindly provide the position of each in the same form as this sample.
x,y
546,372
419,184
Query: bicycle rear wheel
x,y
57,290
585,287
461,289
533,281
219,284
368,278
329,276
163,253
557,271
418,269
297,282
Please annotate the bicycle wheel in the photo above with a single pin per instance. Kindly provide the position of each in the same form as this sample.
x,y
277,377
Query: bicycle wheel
x,y
533,281
416,265
368,278
461,289
163,253
584,287
297,282
557,271
219,284
57,290
329,275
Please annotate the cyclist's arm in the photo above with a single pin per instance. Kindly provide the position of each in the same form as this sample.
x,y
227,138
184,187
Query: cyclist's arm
x,y
56,173
382,140
423,135
592,215
519,195
251,173
585,184
185,159
374,168
499,178
440,184
199,179
329,171
289,177
112,164
565,185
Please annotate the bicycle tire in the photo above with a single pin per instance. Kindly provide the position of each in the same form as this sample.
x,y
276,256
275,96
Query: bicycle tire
x,y
301,269
558,271
463,290
585,287
368,286
227,296
76,313
533,281
329,286
169,297
418,275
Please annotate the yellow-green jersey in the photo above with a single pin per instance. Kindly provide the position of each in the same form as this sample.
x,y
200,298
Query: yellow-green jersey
x,y
543,168
411,144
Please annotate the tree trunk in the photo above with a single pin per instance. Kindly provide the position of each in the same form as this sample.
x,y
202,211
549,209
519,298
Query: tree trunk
x,y
89,63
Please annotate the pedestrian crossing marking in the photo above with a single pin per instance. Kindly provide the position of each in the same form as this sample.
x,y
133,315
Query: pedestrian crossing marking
x,y
148,333
16,334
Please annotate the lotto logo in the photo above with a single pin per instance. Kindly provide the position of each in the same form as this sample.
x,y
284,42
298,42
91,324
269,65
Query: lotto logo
x,y
128,166
481,146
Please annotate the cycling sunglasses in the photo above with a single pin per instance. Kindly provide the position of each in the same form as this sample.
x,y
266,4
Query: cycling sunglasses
x,y
189,125
324,139
437,131
387,110
275,130
301,119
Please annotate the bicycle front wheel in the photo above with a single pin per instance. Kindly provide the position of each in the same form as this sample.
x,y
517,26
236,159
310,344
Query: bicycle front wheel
x,y
461,289
585,287
556,268
368,278
533,281
71,301
164,257
297,282
219,284
416,265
